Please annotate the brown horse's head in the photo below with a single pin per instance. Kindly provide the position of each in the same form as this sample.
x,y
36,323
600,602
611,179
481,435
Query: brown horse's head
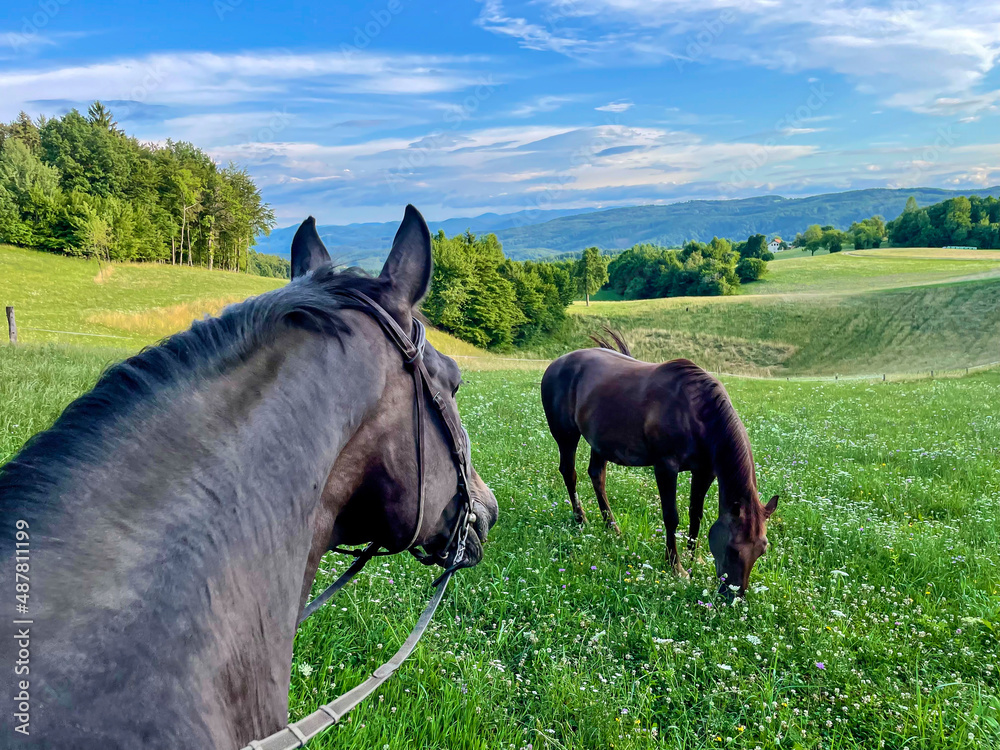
x,y
405,442
737,539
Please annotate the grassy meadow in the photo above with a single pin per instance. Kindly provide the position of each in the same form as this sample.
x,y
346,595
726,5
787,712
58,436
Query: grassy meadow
x,y
868,312
124,306
873,621
869,270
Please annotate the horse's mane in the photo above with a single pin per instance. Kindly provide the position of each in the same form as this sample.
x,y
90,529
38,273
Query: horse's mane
x,y
209,347
613,340
730,443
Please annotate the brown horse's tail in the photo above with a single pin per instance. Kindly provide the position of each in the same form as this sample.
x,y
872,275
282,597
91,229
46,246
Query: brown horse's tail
x,y
614,341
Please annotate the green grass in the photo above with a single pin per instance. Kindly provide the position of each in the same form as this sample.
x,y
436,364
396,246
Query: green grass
x,y
883,567
868,270
794,252
885,547
912,329
863,270
863,312
80,302
128,306
869,312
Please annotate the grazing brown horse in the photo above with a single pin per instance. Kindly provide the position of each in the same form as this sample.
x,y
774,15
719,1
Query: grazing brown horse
x,y
176,514
674,417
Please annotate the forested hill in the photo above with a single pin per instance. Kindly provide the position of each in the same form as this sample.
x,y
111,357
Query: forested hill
x,y
366,245
542,234
674,224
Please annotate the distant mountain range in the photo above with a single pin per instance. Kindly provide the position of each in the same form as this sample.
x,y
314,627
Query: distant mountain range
x,y
367,245
541,234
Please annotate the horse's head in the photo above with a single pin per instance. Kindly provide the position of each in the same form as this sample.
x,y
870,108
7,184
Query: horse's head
x,y
399,481
737,539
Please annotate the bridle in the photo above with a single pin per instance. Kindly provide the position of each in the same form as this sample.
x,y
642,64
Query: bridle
x,y
452,556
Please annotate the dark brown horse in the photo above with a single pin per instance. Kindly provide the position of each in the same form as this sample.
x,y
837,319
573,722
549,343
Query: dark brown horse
x,y
177,513
674,417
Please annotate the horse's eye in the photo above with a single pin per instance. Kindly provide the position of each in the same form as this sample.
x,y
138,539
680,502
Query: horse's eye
x,y
457,386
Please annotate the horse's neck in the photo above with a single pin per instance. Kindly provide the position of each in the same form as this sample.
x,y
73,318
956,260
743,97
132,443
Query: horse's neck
x,y
196,539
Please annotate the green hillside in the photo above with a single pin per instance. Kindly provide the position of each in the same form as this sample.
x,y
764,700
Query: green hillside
x,y
124,306
76,301
867,270
866,312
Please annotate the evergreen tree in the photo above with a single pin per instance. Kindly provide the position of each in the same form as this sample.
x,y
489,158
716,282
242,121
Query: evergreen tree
x,y
101,116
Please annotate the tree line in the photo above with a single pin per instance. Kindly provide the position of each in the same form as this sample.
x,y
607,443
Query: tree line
x,y
971,221
861,235
702,269
78,185
483,297
967,221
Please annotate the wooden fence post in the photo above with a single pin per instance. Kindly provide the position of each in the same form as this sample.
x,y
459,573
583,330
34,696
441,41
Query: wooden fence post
x,y
11,325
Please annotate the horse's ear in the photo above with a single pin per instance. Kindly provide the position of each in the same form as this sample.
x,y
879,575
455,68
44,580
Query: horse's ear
x,y
308,250
408,267
772,505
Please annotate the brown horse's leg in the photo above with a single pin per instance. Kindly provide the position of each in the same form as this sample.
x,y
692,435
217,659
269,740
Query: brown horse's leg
x,y
567,467
598,471
666,483
701,480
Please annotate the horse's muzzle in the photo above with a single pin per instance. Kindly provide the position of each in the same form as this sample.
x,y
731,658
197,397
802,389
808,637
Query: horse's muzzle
x,y
484,507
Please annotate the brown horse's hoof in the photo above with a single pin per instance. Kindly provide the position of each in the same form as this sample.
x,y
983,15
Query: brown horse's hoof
x,y
613,525
581,518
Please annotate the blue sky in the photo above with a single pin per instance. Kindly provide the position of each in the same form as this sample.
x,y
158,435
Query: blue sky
x,y
349,111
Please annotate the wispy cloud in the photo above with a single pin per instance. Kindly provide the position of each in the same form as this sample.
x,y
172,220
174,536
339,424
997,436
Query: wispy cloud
x,y
540,105
209,79
498,168
529,35
28,41
621,105
799,131
913,55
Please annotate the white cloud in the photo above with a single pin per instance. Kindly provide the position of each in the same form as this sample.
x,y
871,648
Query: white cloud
x,y
24,41
621,105
463,172
451,172
799,131
912,55
208,79
530,35
539,105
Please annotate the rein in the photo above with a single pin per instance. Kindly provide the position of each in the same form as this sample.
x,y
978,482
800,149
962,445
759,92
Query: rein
x,y
296,735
